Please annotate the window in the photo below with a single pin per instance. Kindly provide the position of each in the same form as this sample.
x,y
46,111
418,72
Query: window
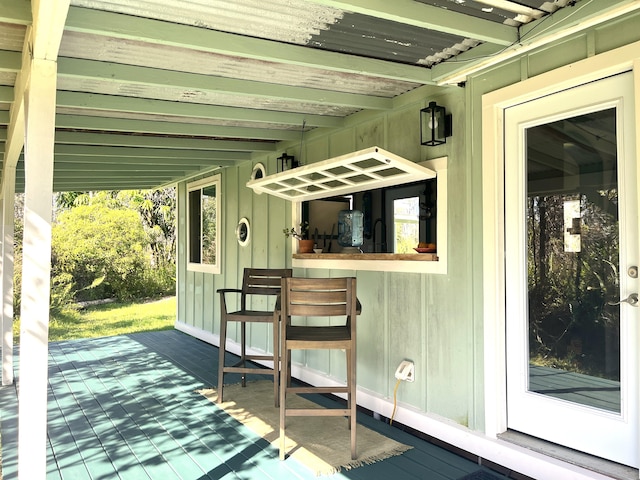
x,y
377,207
396,219
406,224
410,215
203,208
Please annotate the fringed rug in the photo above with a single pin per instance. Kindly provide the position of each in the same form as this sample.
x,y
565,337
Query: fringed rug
x,y
319,443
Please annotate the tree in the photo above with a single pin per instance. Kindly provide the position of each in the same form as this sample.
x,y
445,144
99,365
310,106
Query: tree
x,y
570,320
157,209
99,251
92,255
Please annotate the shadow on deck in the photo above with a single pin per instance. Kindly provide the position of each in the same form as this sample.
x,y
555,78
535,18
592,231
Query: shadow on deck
x,y
126,407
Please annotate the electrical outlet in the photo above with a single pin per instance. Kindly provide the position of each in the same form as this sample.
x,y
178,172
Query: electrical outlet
x,y
406,371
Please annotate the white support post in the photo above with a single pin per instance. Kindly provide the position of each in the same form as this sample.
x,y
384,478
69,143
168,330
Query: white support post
x,y
8,218
40,105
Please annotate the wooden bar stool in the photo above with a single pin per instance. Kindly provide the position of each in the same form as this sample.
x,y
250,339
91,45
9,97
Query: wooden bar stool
x,y
319,297
256,282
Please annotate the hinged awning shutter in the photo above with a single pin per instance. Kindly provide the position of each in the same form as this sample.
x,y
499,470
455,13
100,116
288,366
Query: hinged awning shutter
x,y
362,170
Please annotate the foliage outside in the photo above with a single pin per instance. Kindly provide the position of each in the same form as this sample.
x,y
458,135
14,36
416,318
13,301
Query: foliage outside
x,y
209,223
572,326
117,245
406,216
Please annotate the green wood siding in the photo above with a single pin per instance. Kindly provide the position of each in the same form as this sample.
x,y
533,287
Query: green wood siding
x,y
434,320
414,316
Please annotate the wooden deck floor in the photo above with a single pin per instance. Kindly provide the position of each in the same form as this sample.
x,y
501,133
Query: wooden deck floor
x,y
126,407
575,387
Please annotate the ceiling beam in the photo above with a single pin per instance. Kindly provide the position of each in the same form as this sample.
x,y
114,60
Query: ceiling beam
x,y
191,110
118,73
417,14
15,12
113,176
62,166
165,33
7,94
144,156
85,185
516,8
109,139
101,154
135,163
110,124
10,61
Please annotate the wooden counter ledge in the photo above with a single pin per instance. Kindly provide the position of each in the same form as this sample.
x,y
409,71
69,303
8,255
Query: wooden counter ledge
x,y
415,257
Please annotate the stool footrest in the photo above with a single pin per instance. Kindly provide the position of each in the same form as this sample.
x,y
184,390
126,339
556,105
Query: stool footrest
x,y
256,371
258,357
317,412
317,389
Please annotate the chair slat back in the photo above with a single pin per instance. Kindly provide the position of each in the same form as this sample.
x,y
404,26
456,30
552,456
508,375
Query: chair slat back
x,y
308,297
264,281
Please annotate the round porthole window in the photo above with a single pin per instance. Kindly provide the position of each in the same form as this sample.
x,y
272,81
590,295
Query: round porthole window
x,y
243,232
258,172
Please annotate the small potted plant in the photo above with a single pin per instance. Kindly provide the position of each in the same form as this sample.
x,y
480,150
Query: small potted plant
x,y
302,234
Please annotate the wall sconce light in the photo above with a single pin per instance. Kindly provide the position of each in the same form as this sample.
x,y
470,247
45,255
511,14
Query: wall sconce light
x,y
435,125
286,162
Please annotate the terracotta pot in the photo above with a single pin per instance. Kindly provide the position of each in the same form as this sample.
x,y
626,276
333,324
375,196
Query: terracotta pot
x,y
305,246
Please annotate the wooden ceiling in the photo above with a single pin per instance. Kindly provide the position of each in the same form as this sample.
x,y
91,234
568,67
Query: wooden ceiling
x,y
153,92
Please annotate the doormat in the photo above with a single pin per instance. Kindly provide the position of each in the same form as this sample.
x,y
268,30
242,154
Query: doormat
x,y
322,444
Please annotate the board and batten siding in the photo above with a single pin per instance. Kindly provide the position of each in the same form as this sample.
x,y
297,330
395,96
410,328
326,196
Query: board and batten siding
x,y
435,320
421,317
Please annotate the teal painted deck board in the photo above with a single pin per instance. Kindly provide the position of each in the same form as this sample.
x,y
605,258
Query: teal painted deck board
x,y
576,387
127,407
95,458
159,454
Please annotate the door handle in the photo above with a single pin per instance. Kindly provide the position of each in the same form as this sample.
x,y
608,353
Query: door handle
x,y
632,300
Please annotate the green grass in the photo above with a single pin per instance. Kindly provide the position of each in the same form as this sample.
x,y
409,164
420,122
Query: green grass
x,y
110,319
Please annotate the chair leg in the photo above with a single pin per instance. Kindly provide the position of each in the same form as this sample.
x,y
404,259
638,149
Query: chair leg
x,y
243,350
283,399
349,382
221,353
276,361
351,379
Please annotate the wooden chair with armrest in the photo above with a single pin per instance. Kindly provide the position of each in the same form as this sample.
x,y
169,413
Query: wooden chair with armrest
x,y
319,297
256,283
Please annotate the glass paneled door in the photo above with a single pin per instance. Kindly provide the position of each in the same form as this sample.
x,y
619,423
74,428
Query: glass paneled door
x,y
571,269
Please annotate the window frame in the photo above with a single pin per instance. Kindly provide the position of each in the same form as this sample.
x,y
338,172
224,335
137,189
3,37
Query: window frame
x,y
200,185
364,261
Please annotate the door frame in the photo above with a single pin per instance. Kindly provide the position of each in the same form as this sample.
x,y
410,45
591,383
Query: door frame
x,y
493,106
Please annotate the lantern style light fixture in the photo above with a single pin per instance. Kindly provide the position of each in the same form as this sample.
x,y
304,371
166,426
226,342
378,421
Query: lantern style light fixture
x,y
286,162
435,125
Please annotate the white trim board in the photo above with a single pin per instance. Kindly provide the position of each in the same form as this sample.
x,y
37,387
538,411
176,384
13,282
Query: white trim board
x,y
493,106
